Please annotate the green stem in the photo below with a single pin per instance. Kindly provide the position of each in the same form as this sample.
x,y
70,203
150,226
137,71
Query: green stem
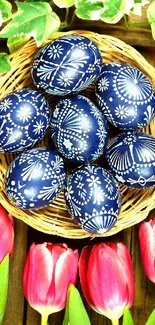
x,y
146,23
44,319
72,19
66,15
115,321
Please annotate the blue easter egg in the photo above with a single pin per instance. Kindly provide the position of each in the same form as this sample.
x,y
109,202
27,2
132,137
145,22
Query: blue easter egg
x,y
79,129
93,198
68,64
126,96
24,118
131,158
35,178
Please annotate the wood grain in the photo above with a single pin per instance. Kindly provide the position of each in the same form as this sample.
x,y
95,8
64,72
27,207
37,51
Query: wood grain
x,y
15,304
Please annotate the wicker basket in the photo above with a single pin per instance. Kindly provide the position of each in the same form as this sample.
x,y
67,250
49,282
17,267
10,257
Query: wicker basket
x,y
54,219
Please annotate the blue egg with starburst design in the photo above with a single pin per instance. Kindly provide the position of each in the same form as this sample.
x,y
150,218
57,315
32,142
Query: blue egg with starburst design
x,y
93,198
79,129
67,65
35,178
131,158
125,96
24,118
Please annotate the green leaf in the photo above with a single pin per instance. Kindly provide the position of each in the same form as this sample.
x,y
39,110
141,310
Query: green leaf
x,y
4,279
151,319
151,17
127,318
5,9
64,3
5,65
37,0
86,9
34,19
14,43
114,10
75,312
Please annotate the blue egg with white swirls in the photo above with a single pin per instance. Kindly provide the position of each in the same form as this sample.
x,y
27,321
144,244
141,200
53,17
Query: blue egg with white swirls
x,y
125,96
67,65
79,129
131,158
24,118
93,198
35,178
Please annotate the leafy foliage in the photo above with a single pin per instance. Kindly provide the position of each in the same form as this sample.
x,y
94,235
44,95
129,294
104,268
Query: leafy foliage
x,y
35,19
86,9
64,3
75,312
151,17
127,318
5,65
5,11
4,278
151,319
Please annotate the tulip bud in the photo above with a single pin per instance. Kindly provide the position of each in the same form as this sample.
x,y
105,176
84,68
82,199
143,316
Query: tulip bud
x,y
6,233
147,247
48,271
6,249
106,276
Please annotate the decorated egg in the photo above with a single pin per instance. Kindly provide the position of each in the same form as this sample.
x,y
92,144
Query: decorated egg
x,y
93,198
79,129
68,64
126,96
35,178
24,118
131,157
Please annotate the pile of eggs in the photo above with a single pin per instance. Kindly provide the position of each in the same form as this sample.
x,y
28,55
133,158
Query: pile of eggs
x,y
79,131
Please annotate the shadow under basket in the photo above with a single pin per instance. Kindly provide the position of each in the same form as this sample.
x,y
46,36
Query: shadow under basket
x,y
54,218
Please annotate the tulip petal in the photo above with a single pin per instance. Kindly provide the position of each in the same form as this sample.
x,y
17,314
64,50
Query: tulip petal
x,y
126,262
65,273
37,275
83,267
56,251
107,281
6,233
147,248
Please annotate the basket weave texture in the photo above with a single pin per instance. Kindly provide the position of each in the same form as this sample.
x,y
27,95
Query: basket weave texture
x,y
54,219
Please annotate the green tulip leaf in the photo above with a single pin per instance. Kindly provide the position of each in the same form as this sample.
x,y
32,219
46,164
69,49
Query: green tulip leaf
x,y
64,3
151,319
5,65
86,9
35,19
151,17
4,278
127,318
14,43
75,312
114,10
5,10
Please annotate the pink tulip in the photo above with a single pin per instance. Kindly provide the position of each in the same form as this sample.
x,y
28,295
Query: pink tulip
x,y
147,247
106,276
48,271
6,233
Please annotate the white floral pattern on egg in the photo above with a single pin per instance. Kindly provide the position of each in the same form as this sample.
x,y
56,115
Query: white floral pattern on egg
x,y
93,198
126,96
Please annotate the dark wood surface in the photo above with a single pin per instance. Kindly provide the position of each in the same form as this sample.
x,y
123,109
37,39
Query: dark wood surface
x,y
18,312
